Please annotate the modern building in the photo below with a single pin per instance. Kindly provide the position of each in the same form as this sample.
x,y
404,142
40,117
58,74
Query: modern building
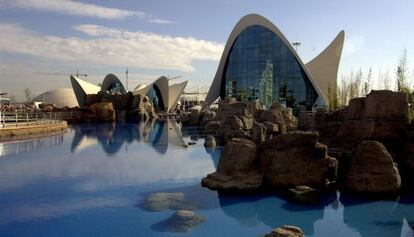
x,y
259,63
60,98
163,95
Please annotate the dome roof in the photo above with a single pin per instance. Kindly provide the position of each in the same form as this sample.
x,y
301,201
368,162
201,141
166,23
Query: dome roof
x,y
64,97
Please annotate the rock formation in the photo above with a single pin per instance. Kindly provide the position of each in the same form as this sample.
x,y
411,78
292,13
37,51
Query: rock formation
x,y
246,120
99,112
286,231
238,168
167,201
304,195
381,116
297,158
181,221
372,170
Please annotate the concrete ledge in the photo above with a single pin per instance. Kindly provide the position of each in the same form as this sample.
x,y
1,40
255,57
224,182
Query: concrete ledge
x,y
21,132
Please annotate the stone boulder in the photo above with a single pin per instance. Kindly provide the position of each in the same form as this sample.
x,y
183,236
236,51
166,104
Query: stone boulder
x,y
372,170
381,116
210,142
259,133
102,112
161,201
296,158
181,221
304,195
283,117
286,231
237,169
207,116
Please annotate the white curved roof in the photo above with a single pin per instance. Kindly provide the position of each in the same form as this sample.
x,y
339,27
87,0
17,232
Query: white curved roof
x,y
63,97
254,19
83,88
175,92
109,80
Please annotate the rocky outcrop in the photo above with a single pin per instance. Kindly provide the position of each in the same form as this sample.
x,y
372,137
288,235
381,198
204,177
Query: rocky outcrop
x,y
281,116
286,231
235,119
161,201
181,221
296,158
238,168
381,116
372,170
99,112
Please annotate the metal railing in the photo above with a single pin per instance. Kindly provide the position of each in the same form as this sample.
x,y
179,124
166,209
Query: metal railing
x,y
20,119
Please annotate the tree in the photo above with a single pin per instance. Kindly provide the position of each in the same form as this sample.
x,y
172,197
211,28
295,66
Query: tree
x,y
368,83
28,94
386,78
402,72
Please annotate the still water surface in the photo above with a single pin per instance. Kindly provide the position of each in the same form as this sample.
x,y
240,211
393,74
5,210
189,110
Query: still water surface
x,y
92,181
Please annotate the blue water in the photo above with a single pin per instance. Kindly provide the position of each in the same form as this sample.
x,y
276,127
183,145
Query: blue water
x,y
92,181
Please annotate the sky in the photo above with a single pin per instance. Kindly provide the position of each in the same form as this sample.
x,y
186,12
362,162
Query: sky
x,y
183,37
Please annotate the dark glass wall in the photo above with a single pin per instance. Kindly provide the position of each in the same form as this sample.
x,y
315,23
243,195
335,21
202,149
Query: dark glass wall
x,y
155,97
261,67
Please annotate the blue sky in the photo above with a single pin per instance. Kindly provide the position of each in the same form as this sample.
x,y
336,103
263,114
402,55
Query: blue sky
x,y
183,37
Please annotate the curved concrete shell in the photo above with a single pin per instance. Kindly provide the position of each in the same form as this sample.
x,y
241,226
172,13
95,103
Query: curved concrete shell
x,y
83,88
324,67
318,84
64,97
112,82
175,92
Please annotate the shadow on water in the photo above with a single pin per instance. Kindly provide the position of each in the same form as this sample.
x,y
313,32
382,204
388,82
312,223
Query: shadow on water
x,y
375,217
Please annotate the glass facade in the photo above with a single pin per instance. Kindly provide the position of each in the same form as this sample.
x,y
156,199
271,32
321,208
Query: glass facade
x,y
155,97
261,67
116,88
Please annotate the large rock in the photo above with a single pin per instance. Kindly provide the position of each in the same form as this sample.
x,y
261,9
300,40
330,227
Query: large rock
x,y
259,133
286,231
304,195
372,170
283,117
381,116
102,112
296,158
237,170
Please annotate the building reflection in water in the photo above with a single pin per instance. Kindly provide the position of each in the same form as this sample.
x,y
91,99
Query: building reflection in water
x,y
113,136
18,147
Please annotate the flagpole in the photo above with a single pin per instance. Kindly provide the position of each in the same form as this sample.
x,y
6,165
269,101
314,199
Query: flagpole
x,y
126,74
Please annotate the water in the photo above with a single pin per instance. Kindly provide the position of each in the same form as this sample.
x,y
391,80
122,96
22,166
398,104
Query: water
x,y
93,181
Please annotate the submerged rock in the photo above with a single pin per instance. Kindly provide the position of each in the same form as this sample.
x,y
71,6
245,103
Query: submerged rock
x,y
181,221
297,158
210,142
237,169
286,231
304,194
372,170
167,201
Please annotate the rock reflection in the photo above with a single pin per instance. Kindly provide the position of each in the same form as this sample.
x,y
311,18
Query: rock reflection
x,y
113,136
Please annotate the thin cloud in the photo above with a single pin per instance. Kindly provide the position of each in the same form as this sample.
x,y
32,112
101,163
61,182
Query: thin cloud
x,y
353,44
110,46
70,7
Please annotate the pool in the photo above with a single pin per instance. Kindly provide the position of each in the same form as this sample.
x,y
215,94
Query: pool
x,y
94,181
